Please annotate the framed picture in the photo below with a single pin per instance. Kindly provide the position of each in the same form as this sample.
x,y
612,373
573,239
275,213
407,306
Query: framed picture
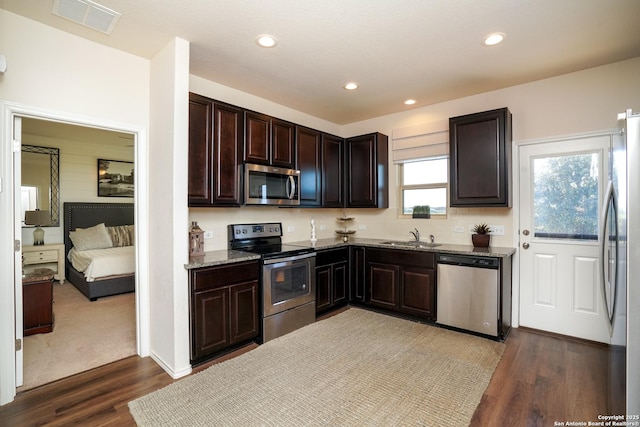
x,y
115,178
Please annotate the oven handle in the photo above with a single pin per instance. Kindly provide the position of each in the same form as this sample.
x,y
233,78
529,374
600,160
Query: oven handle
x,y
289,258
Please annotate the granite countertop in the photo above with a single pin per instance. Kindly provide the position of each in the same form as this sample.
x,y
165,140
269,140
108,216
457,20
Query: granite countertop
x,y
492,251
224,256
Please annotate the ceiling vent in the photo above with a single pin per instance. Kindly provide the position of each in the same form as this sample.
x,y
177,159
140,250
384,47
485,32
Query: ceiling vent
x,y
87,13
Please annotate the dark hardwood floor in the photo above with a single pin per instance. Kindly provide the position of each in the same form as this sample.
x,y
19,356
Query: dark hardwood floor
x,y
540,379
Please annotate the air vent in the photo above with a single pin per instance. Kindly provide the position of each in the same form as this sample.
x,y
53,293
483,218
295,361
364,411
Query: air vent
x,y
87,13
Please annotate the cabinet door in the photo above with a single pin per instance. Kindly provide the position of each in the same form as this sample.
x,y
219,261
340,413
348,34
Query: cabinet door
x,y
210,327
243,312
340,283
308,162
200,170
480,150
227,145
383,281
358,274
332,171
282,144
367,177
417,292
256,142
323,288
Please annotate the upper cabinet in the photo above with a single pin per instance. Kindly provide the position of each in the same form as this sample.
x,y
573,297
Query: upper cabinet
x,y
215,146
480,152
268,141
308,162
367,176
334,172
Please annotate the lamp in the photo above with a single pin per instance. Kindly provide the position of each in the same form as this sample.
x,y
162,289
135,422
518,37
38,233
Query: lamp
x,y
38,218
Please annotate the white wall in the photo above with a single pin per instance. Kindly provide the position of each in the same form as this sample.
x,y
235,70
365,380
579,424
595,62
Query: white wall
x,y
168,215
78,176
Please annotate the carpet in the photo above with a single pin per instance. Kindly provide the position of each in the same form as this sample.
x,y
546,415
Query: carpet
x,y
85,335
356,368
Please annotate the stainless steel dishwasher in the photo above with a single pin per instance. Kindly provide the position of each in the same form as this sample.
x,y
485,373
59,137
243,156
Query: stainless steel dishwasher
x,y
468,293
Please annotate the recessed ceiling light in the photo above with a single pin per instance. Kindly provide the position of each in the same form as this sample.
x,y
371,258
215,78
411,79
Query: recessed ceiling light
x,y
409,102
351,86
265,40
493,39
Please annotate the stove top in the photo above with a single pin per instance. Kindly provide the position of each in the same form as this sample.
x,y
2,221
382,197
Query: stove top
x,y
264,239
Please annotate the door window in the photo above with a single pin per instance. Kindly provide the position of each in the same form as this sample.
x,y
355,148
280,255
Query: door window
x,y
565,189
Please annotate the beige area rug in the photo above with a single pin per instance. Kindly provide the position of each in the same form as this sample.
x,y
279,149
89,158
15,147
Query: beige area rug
x,y
85,335
356,368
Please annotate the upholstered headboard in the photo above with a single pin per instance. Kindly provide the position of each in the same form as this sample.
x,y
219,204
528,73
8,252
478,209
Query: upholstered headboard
x,y
84,215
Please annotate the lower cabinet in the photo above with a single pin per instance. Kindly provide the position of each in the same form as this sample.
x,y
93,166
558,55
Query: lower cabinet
x,y
223,308
332,278
401,281
37,305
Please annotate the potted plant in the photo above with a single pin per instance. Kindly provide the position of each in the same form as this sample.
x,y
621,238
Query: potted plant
x,y
481,237
421,211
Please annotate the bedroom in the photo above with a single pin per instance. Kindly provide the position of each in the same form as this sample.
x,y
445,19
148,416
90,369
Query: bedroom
x,y
47,356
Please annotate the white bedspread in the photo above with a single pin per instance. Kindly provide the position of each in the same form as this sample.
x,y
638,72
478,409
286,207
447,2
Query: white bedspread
x,y
97,263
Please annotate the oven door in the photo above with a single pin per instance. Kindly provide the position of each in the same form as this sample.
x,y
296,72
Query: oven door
x,y
288,282
266,185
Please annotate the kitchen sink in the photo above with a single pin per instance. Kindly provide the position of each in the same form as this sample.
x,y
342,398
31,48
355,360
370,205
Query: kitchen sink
x,y
411,244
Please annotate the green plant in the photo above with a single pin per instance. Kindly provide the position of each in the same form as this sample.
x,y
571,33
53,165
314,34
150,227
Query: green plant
x,y
481,228
421,209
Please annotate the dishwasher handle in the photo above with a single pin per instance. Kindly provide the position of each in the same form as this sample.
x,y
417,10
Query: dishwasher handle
x,y
469,261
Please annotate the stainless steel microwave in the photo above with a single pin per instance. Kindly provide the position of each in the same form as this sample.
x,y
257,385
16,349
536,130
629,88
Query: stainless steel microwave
x,y
268,185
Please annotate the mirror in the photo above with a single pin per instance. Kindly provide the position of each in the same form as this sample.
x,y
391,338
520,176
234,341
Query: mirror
x,y
41,181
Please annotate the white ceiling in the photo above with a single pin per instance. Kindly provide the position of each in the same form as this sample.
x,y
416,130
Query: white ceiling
x,y
429,50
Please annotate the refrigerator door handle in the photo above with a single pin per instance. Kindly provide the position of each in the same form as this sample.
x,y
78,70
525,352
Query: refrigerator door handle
x,y
609,212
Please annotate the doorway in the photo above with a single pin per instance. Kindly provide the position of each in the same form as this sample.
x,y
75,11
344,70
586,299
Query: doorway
x,y
561,190
85,334
10,262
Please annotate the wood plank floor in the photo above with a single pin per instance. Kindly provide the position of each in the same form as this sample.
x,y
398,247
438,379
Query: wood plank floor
x,y
540,379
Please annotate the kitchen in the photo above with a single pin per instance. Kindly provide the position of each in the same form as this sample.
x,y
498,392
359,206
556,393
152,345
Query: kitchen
x,y
530,101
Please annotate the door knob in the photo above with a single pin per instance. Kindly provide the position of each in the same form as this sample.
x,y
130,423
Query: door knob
x,y
525,246
525,232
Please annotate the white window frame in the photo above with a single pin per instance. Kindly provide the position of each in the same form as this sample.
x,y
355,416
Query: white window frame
x,y
403,187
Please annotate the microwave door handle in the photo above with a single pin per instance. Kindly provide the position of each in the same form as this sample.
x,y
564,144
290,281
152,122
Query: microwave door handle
x,y
292,187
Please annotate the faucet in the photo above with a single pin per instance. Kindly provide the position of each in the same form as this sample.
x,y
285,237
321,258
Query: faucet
x,y
416,234
432,238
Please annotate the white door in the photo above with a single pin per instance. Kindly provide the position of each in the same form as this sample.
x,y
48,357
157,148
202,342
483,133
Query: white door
x,y
561,190
17,205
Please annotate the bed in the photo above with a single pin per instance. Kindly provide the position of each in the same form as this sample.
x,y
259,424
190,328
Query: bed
x,y
89,215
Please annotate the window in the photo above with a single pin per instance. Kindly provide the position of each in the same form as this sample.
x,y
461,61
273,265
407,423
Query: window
x,y
425,182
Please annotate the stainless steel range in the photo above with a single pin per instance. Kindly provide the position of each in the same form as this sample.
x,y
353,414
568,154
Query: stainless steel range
x,y
288,277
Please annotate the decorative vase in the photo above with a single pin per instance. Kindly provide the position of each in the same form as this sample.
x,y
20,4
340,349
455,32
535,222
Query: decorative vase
x,y
481,240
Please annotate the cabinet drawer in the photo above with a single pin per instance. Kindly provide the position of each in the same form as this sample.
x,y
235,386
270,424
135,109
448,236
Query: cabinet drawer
x,y
224,275
40,257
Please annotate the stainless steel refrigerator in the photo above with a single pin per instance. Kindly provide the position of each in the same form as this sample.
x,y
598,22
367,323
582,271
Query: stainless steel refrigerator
x,y
620,245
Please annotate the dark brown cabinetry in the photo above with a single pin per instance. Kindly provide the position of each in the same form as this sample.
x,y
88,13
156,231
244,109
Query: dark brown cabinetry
x,y
268,141
332,278
215,145
358,274
223,308
332,171
37,305
308,162
480,151
401,281
367,180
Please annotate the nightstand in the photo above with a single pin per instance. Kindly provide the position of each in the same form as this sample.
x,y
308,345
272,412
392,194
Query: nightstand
x,y
50,256
37,302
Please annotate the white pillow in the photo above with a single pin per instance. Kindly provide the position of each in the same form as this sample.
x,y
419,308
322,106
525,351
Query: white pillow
x,y
95,237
